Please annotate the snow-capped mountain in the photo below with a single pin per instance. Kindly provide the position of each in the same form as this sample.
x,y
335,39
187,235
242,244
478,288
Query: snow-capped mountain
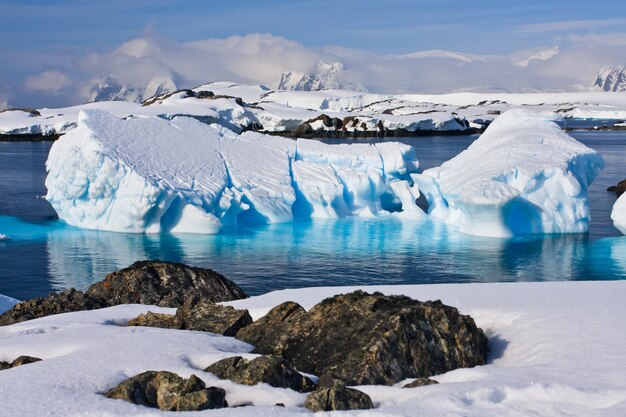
x,y
612,78
108,88
326,76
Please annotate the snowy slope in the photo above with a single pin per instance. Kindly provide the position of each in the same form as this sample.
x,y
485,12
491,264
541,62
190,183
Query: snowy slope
x,y
524,175
555,351
108,88
612,79
326,77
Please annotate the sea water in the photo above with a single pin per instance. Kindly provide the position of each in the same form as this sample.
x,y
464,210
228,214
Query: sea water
x,y
43,254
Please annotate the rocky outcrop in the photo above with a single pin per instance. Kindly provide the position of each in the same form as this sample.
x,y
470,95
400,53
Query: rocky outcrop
x,y
420,382
169,392
165,284
56,303
200,315
337,396
270,369
619,189
362,338
21,360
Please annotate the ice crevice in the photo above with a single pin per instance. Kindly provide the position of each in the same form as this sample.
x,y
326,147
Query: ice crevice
x,y
152,175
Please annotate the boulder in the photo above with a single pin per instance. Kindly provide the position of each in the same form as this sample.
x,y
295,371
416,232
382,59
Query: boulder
x,y
165,284
19,361
362,338
198,314
420,382
337,397
56,303
168,392
270,369
202,315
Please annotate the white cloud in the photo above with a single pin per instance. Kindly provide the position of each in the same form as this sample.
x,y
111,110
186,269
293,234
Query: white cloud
x,y
3,105
571,25
47,81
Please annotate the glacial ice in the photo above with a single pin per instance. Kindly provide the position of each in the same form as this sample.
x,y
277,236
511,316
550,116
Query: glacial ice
x,y
155,175
618,214
524,175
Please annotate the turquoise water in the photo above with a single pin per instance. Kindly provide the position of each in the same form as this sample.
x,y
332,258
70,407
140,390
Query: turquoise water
x,y
45,254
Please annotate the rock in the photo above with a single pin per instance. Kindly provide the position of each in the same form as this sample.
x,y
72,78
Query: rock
x,y
21,360
165,284
338,397
420,382
150,319
169,392
305,129
270,369
363,338
202,315
56,303
619,189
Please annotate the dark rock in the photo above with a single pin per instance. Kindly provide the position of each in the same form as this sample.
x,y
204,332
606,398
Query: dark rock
x,y
420,382
169,392
56,303
619,189
203,315
338,397
370,339
239,101
21,360
205,94
150,319
304,129
270,369
165,284
252,126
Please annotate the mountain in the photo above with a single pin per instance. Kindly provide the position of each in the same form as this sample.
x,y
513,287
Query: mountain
x,y
612,78
108,88
326,76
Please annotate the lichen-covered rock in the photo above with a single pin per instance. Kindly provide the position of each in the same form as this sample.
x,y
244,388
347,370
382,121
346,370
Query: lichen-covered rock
x,y
338,397
420,382
169,392
165,284
619,189
202,315
56,303
362,338
270,369
150,319
19,361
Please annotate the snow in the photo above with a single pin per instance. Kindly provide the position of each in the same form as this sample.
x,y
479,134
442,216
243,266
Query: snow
x,y
155,175
556,350
618,214
524,175
4,237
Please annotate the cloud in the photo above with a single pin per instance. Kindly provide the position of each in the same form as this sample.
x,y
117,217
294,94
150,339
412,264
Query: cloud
x,y
47,81
609,39
571,25
3,105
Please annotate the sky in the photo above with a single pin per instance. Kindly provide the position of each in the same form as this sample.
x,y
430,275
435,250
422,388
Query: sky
x,y
53,49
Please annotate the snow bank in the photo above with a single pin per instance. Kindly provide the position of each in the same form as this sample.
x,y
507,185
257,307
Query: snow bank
x,y
618,214
156,175
524,175
554,347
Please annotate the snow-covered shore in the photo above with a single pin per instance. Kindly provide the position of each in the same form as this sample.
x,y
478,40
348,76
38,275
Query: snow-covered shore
x,y
238,106
556,350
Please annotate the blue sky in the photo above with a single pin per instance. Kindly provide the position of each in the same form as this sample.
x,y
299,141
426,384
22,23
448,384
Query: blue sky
x,y
40,35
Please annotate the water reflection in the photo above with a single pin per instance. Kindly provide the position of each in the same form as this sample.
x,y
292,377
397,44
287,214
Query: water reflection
x,y
339,252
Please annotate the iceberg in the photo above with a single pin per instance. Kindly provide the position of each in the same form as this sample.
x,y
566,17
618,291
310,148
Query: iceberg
x,y
618,214
524,175
155,175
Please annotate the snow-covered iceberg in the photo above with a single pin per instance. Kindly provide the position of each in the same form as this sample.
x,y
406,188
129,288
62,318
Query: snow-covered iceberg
x,y
618,214
524,175
156,175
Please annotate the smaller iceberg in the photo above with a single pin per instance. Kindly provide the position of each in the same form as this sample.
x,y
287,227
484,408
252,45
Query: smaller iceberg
x,y
4,237
618,214
524,175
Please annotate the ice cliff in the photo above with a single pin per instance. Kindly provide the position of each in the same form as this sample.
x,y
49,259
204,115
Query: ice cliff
x,y
524,175
618,214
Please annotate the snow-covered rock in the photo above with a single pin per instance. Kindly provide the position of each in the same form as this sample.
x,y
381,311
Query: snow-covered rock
x,y
612,78
181,175
524,175
618,214
108,88
326,77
